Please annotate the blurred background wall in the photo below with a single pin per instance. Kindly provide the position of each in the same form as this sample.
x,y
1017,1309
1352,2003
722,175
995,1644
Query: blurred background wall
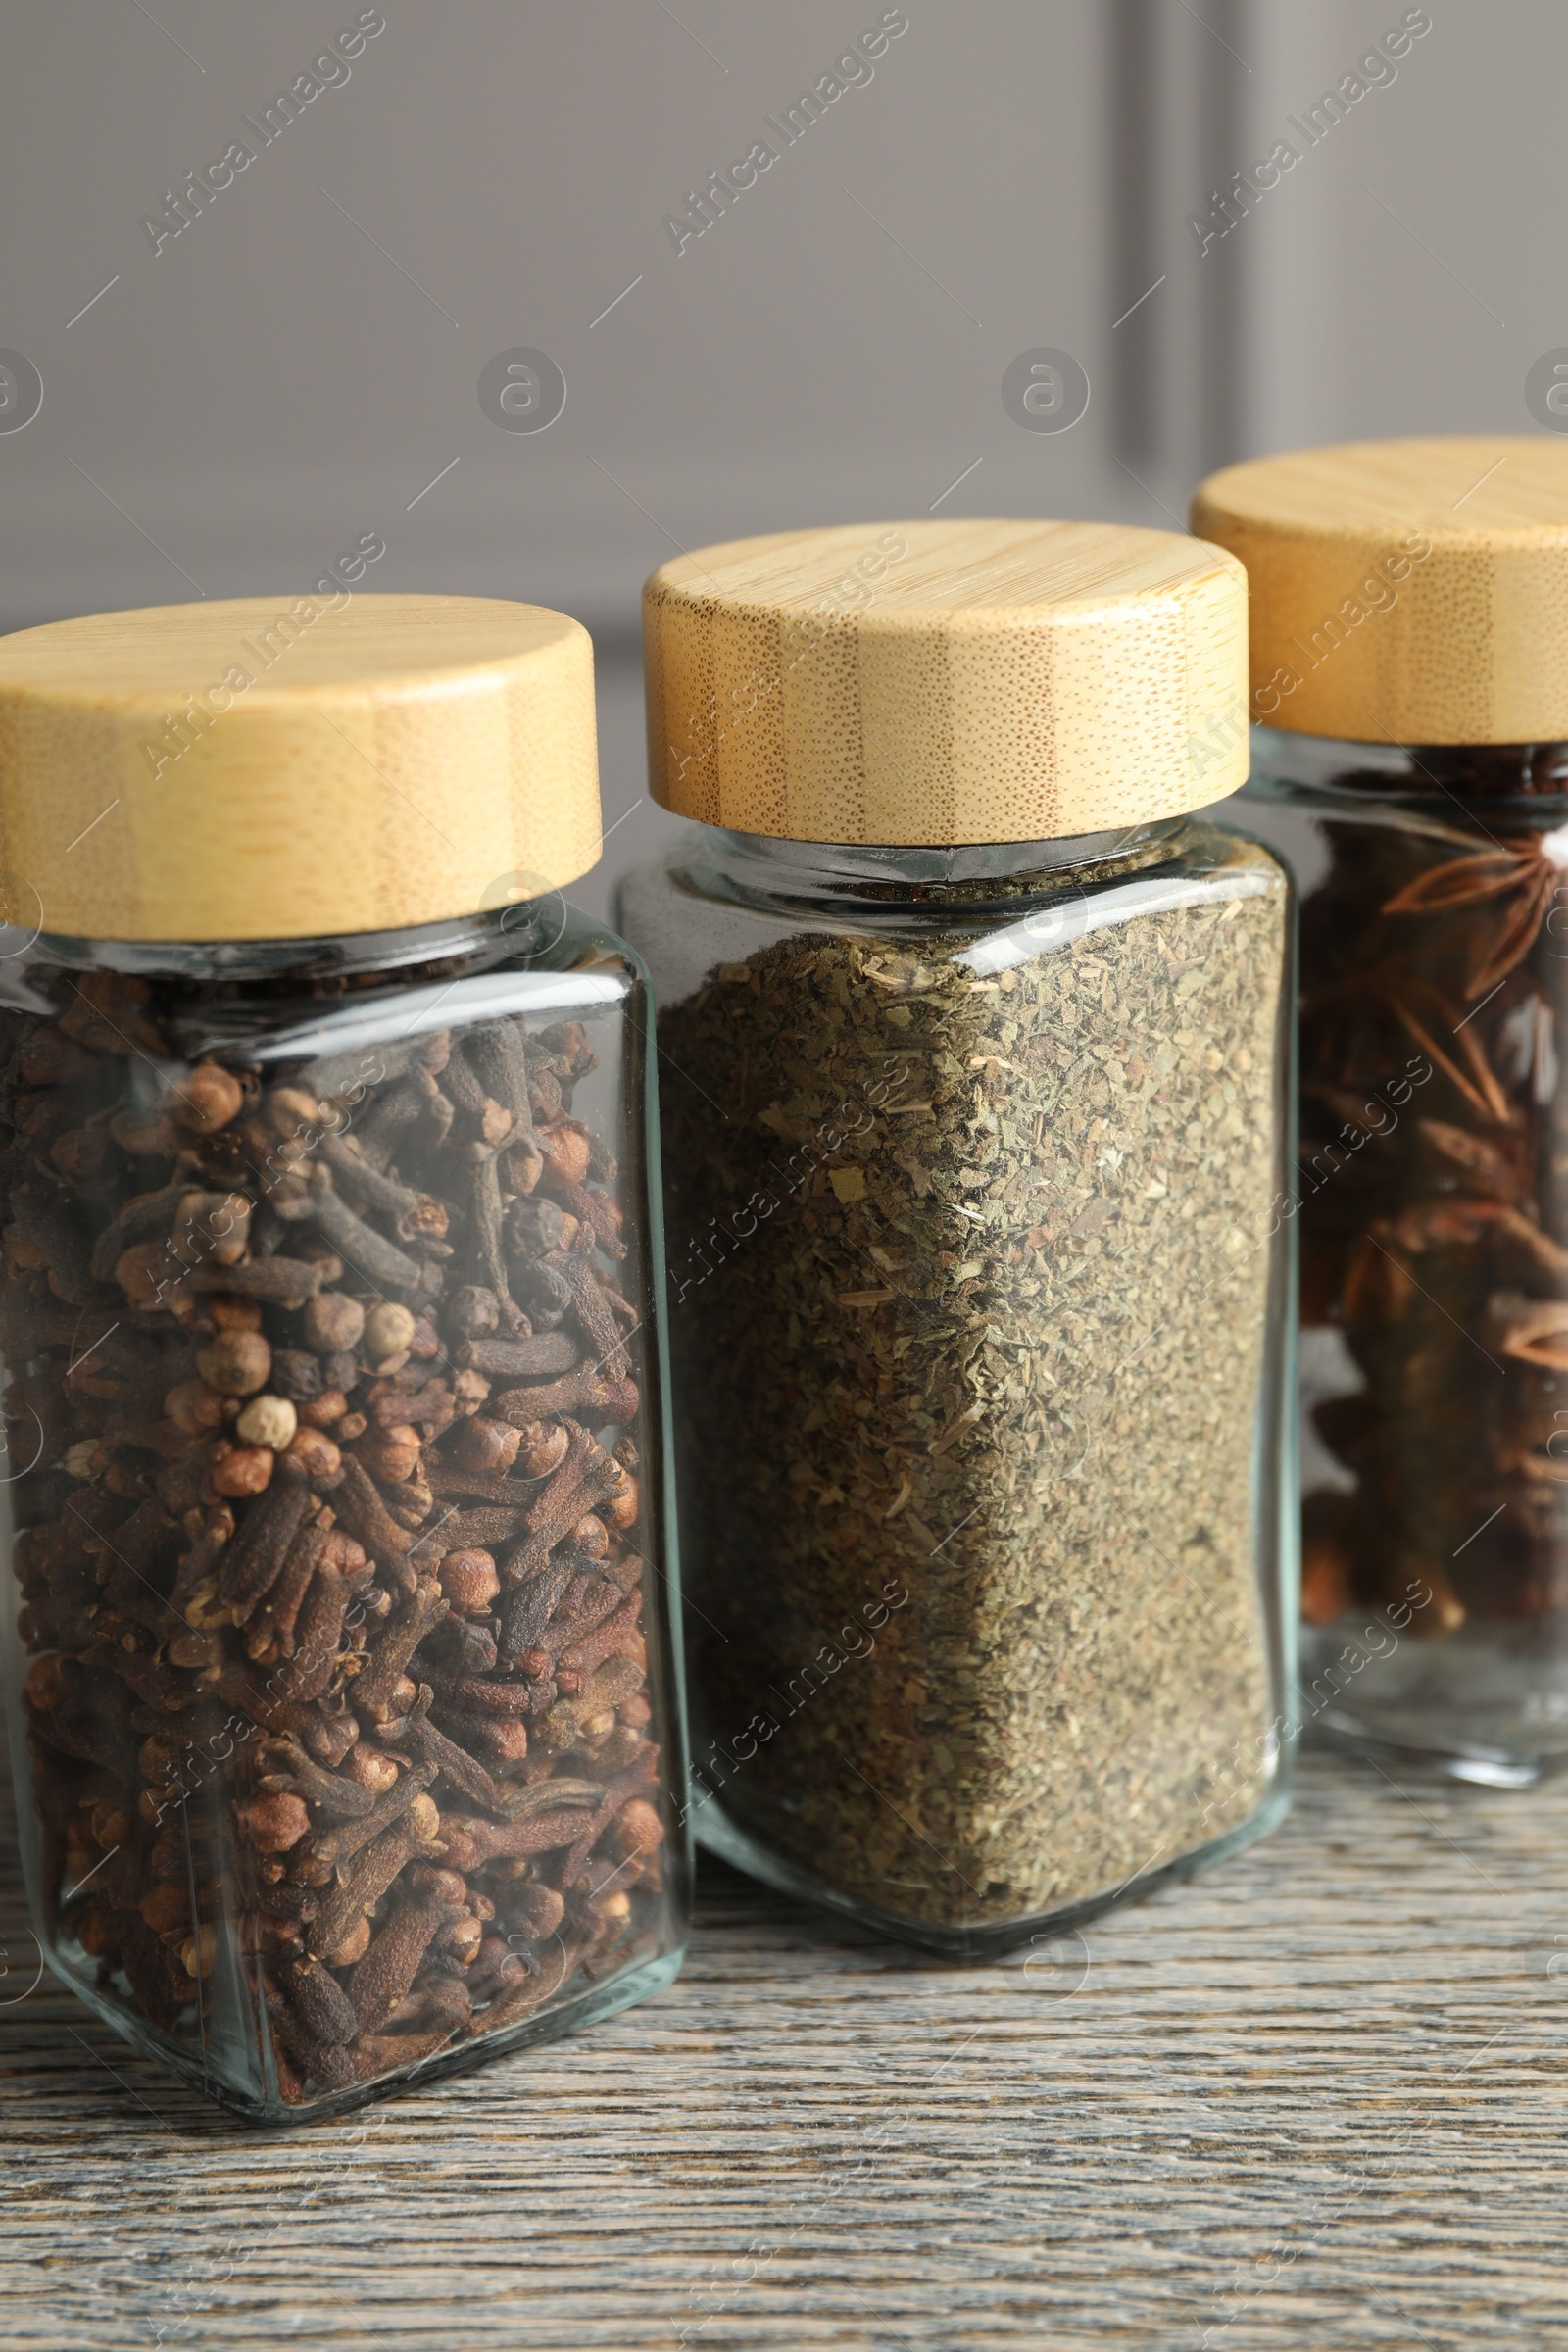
x,y
298,362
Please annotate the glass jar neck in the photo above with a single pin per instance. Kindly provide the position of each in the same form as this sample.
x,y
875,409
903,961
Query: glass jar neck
x,y
1467,771
538,929
763,867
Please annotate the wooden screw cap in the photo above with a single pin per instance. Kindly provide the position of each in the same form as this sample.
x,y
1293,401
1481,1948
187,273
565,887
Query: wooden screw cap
x,y
1405,591
946,682
271,767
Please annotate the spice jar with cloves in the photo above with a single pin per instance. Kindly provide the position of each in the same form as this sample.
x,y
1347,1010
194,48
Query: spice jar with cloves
x,y
974,1082
1410,680
345,1723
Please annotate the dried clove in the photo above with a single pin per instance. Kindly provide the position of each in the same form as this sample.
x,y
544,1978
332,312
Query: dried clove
x,y
260,1311
370,1254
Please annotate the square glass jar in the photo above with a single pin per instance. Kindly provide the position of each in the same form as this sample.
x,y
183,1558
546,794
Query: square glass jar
x,y
980,1292
346,1725
975,1071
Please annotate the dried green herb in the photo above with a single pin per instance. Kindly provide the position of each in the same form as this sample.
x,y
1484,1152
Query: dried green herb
x,y
972,1276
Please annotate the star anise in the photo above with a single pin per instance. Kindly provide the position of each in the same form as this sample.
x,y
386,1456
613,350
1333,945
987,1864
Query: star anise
x,y
1524,870
1352,1026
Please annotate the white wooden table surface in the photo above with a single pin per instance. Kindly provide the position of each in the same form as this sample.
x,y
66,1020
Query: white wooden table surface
x,y
1317,2099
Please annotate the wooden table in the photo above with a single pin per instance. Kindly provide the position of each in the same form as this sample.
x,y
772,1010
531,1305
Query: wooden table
x,y
1315,2100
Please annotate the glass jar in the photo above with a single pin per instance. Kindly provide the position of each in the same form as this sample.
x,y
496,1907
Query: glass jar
x,y
979,1284
1411,594
345,1726
1433,1193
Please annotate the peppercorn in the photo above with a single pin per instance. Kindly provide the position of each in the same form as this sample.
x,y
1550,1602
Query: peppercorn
x,y
267,1421
236,1363
334,1323
388,1329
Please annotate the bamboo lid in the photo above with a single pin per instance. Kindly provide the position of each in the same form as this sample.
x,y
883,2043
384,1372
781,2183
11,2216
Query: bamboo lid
x,y
1413,591
272,769
946,682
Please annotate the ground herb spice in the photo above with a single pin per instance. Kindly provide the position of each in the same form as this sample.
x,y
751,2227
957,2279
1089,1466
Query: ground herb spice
x,y
970,1307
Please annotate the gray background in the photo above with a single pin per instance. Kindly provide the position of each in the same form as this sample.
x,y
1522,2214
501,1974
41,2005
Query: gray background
x,y
303,359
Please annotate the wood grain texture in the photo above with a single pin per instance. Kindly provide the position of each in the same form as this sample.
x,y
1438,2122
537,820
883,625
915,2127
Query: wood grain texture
x,y
1405,591
946,682
293,766
1317,2098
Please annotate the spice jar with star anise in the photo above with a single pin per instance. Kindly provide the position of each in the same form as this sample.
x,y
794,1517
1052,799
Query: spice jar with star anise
x,y
1409,657
344,1716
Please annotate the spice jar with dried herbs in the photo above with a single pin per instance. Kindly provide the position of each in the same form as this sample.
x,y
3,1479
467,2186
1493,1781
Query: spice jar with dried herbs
x,y
973,1053
344,1718
1410,677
